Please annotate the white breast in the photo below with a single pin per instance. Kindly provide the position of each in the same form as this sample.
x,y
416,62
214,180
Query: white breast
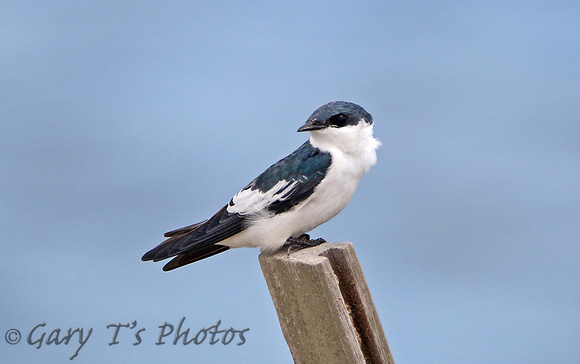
x,y
353,151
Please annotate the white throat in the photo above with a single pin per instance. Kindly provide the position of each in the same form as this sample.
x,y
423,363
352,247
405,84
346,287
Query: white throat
x,y
355,142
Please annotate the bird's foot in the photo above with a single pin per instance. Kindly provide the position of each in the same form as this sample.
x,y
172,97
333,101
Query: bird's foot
x,y
303,241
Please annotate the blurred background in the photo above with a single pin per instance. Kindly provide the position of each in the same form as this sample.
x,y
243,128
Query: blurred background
x,y
123,120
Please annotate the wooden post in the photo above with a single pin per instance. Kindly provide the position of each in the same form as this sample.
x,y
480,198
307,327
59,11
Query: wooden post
x,y
324,305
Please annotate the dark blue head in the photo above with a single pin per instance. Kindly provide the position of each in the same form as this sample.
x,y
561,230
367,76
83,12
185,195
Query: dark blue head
x,y
336,114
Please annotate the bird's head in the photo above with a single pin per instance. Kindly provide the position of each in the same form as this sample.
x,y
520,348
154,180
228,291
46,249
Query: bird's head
x,y
335,115
341,125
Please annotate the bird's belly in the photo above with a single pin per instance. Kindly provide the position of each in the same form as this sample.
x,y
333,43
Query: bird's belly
x,y
329,200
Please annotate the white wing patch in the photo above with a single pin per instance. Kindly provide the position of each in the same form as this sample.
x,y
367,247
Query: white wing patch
x,y
253,201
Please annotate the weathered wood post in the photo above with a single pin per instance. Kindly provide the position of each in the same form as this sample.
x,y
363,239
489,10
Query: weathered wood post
x,y
324,305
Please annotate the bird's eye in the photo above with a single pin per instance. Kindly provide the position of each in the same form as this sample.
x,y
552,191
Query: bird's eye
x,y
338,120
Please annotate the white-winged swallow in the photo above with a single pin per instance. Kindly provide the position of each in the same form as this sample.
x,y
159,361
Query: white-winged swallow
x,y
290,198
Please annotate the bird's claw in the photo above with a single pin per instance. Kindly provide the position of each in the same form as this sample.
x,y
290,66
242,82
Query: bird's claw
x,y
303,241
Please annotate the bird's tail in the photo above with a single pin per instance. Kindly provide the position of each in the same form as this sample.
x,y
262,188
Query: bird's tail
x,y
175,238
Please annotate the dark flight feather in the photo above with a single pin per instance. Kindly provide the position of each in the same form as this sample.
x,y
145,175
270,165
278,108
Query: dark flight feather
x,y
197,240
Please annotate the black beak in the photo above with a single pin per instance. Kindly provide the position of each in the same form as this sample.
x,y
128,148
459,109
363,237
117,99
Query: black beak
x,y
311,125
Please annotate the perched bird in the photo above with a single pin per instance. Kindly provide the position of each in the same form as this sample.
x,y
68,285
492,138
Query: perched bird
x,y
291,197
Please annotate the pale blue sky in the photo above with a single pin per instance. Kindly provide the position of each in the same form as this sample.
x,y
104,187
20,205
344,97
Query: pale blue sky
x,y
122,120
